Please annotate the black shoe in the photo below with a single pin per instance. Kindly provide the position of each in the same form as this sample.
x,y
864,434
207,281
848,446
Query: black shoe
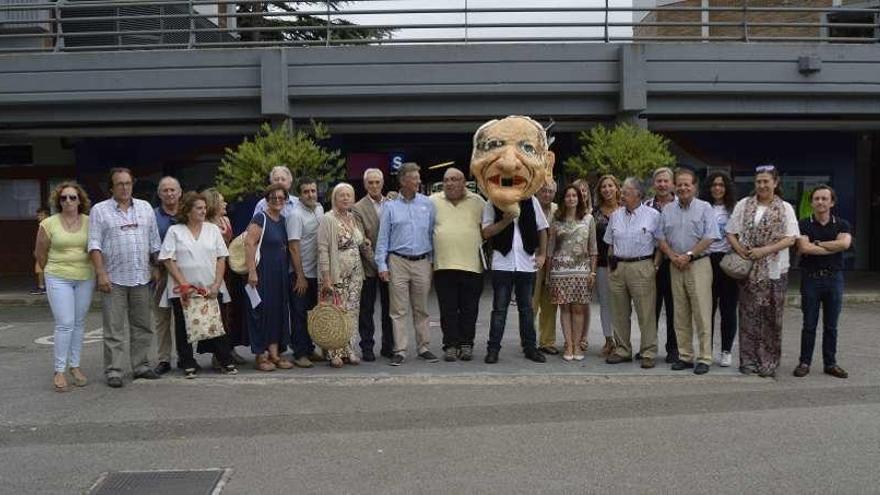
x,y
429,357
396,360
671,357
162,368
532,354
638,356
450,354
681,365
386,353
368,355
491,357
147,374
701,369
114,381
466,353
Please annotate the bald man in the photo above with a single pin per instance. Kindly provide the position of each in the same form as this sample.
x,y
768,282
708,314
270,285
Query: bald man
x,y
458,269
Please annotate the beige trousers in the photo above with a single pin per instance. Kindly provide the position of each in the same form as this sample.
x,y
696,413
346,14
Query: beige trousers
x,y
632,286
545,311
408,291
692,300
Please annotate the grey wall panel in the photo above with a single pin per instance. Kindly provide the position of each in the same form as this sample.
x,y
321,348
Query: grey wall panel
x,y
139,113
586,90
129,60
766,72
762,105
451,53
667,52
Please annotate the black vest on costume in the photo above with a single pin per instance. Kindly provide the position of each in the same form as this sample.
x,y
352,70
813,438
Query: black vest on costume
x,y
528,229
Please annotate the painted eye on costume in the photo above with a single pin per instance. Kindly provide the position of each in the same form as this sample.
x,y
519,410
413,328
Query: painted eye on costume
x,y
490,144
527,148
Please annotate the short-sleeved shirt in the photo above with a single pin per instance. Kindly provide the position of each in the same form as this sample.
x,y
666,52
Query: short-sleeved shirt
x,y
631,234
68,257
722,245
196,258
163,221
682,228
302,226
126,239
517,259
457,232
817,232
778,264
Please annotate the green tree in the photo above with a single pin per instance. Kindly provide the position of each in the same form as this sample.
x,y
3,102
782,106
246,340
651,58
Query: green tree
x,y
243,170
284,23
624,150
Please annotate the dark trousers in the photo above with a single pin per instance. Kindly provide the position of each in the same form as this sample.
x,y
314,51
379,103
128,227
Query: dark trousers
x,y
504,285
664,296
827,292
366,325
458,295
725,294
299,307
219,346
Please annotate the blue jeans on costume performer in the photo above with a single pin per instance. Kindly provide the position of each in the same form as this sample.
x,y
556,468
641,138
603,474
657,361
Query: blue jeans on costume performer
x,y
826,291
70,301
504,284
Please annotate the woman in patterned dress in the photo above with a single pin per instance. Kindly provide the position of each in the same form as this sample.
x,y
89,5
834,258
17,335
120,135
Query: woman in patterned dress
x,y
762,227
340,243
572,272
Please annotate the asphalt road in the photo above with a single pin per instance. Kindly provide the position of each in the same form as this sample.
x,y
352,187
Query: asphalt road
x,y
516,427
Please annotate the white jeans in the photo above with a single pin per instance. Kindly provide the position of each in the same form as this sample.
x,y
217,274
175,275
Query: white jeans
x,y
603,291
70,301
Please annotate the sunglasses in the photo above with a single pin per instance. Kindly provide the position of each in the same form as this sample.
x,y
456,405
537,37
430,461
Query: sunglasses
x,y
278,198
765,168
128,226
65,197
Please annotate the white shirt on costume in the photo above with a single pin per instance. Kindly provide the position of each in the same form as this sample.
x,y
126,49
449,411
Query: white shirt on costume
x,y
517,259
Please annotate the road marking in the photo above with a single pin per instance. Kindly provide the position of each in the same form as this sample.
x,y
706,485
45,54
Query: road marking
x,y
95,336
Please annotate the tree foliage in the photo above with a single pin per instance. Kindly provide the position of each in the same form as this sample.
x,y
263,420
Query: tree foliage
x,y
292,26
623,151
245,169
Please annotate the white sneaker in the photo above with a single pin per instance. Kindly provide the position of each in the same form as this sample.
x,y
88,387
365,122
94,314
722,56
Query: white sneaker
x,y
726,359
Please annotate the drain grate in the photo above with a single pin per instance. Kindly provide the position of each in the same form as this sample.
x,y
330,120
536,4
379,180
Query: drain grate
x,y
194,482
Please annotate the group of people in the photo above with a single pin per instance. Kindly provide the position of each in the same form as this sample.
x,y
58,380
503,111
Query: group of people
x,y
631,254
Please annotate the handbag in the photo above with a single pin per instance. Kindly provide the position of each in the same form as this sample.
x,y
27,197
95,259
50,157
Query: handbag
x,y
330,325
202,318
735,266
238,253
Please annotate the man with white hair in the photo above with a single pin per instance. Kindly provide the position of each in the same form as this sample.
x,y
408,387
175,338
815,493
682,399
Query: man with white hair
x,y
169,192
545,310
280,175
367,212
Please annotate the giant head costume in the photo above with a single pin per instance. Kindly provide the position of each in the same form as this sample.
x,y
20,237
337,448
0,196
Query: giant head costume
x,y
511,160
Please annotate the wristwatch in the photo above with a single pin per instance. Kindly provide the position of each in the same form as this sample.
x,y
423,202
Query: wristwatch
x,y
690,255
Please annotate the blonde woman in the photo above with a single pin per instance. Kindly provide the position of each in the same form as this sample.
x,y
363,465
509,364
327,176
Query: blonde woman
x,y
70,280
607,202
341,274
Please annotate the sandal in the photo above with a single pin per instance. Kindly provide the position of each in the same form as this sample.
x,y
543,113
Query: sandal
x,y
230,369
336,362
353,359
60,382
189,373
262,363
281,362
79,379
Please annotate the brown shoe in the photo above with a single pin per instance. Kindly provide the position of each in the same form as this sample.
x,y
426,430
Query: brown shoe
x,y
608,348
836,371
281,363
802,370
647,363
549,349
617,359
262,363
60,382
79,379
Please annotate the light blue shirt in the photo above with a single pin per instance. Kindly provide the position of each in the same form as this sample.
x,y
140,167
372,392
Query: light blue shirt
x,y
683,228
406,228
631,233
302,226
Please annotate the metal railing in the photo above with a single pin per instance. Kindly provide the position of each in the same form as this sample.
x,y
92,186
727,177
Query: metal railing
x,y
93,25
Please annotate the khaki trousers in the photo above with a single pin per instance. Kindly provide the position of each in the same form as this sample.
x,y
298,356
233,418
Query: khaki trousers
x,y
632,286
692,300
408,291
545,311
129,305
162,321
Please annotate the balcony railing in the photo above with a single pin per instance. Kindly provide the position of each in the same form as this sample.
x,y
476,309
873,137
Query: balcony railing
x,y
94,25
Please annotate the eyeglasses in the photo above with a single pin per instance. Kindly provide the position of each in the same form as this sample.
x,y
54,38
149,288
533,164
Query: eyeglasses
x,y
765,168
65,197
277,198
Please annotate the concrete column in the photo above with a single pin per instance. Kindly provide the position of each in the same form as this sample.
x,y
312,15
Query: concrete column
x,y
633,85
274,99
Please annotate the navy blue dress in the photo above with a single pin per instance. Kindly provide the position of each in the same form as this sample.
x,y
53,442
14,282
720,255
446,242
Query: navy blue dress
x,y
270,321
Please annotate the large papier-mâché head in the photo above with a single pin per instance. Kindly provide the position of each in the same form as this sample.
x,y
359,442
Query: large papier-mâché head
x,y
511,160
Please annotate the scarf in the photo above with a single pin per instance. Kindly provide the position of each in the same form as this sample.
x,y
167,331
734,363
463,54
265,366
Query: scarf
x,y
767,231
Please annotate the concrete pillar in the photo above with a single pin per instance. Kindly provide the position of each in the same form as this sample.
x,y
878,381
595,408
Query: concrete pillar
x,y
274,99
633,85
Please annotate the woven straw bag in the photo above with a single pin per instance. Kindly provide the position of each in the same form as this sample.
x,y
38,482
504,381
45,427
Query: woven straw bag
x,y
330,325
735,266
238,253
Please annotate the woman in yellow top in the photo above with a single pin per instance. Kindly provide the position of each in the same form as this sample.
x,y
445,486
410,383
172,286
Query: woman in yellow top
x,y
70,281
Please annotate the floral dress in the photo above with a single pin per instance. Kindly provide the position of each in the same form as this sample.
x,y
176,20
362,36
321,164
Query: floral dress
x,y
351,273
571,264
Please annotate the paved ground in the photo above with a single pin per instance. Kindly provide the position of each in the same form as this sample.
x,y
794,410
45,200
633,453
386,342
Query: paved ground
x,y
516,427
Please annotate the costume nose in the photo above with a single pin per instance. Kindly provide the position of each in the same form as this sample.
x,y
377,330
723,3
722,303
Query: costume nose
x,y
508,162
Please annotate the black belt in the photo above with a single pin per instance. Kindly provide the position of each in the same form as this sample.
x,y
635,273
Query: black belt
x,y
633,260
411,258
822,273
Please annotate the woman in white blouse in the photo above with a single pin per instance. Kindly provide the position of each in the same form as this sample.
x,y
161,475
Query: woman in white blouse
x,y
195,255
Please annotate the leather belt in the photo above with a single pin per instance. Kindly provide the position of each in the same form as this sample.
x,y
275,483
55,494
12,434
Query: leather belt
x,y
411,258
633,260
822,273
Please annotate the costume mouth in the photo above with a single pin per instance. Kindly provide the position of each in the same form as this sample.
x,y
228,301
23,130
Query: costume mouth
x,y
515,181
